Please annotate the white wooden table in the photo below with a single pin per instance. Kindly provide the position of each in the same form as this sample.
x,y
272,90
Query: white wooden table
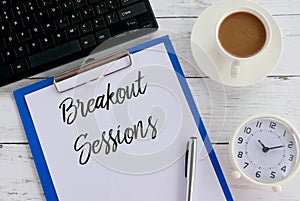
x,y
278,94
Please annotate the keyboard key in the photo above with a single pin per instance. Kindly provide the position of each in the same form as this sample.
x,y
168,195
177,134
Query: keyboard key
x,y
5,71
54,11
45,3
132,11
37,31
4,3
75,17
2,44
112,18
35,46
28,20
113,4
100,8
9,55
88,12
42,15
5,28
6,14
63,22
50,26
103,35
147,24
60,37
68,6
19,10
21,51
86,27
73,32
24,36
132,24
80,3
48,41
99,23
17,24
88,41
126,2
55,53
31,5
20,66
12,40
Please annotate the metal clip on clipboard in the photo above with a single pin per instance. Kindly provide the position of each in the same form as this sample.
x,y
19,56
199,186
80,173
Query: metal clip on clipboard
x,y
60,78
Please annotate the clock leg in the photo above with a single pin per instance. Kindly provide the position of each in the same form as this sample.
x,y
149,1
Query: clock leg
x,y
236,174
276,188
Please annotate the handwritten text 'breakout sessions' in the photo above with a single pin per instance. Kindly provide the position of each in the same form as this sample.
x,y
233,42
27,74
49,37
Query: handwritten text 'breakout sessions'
x,y
111,139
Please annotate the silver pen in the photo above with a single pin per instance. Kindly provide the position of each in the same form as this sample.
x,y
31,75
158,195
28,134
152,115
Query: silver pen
x,y
191,158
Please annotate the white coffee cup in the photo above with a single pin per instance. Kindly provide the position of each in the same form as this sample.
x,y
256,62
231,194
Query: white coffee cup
x,y
236,60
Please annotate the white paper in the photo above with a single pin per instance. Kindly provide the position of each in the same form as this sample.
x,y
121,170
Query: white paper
x,y
147,169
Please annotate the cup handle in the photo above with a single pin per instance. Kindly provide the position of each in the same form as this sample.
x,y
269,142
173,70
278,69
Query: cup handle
x,y
235,69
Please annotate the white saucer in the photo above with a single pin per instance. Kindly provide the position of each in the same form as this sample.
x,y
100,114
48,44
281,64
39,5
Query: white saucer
x,y
213,64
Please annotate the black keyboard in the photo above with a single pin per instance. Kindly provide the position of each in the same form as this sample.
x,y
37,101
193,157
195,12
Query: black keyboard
x,y
37,35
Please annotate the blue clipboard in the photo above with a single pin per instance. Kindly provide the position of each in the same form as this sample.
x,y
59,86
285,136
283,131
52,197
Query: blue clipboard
x,y
35,146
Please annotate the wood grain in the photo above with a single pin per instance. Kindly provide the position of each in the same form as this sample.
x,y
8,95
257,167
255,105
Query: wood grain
x,y
223,109
18,176
191,8
19,180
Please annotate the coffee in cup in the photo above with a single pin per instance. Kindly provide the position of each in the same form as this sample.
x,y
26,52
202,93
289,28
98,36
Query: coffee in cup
x,y
241,35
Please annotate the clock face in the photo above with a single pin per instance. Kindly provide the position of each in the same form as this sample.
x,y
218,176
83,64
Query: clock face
x,y
265,150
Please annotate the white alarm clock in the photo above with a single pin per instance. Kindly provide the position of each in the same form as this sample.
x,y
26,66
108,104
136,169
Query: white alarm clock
x,y
265,150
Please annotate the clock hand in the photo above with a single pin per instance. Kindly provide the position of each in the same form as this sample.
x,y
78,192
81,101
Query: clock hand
x,y
277,147
261,144
264,148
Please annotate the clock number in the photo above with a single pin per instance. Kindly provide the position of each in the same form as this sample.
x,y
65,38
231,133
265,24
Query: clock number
x,y
240,140
291,158
246,165
272,125
272,176
258,174
284,133
283,169
290,145
240,154
258,124
247,130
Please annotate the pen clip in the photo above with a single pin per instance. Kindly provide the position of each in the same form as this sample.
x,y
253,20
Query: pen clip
x,y
191,157
186,160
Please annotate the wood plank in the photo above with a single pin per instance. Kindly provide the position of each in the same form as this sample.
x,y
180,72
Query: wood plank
x,y
19,180
11,128
222,108
175,8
